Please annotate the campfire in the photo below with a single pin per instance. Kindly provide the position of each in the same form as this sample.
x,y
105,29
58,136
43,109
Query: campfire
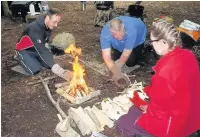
x,y
78,86
76,91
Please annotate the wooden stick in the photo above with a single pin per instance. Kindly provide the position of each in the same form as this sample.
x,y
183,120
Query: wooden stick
x,y
45,79
7,28
55,104
91,67
63,84
131,76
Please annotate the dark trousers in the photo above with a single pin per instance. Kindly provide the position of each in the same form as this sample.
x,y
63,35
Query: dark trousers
x,y
134,57
30,61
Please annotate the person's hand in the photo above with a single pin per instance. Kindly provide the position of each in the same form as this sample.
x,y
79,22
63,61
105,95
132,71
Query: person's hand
x,y
144,108
65,74
120,79
118,64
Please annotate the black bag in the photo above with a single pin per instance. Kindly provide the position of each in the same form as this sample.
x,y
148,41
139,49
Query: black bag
x,y
105,5
136,11
187,41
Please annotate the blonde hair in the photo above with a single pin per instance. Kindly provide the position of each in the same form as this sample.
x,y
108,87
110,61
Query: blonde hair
x,y
116,24
168,32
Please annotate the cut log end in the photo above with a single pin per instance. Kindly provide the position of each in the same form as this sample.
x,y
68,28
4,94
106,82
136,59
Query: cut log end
x,y
78,96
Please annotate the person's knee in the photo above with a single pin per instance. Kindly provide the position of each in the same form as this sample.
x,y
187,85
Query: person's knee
x,y
34,73
134,58
131,61
130,64
119,128
30,64
31,71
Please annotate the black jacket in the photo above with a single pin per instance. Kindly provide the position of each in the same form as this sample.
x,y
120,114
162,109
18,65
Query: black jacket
x,y
40,35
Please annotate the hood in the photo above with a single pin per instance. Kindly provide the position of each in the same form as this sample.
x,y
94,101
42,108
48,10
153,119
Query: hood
x,y
40,21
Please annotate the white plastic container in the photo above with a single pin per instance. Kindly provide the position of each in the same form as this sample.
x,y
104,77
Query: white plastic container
x,y
32,9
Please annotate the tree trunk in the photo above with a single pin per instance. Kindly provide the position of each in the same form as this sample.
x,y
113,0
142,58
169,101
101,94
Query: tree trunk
x,y
6,8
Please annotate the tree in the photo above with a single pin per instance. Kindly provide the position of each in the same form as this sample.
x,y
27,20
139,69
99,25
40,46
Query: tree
x,y
6,8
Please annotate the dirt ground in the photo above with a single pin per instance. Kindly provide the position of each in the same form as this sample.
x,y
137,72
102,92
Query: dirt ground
x,y
26,110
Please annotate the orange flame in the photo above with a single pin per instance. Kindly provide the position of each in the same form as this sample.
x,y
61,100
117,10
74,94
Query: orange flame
x,y
77,84
73,50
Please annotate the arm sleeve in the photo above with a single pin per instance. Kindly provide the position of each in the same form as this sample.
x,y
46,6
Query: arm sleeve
x,y
160,93
39,44
147,89
104,41
131,41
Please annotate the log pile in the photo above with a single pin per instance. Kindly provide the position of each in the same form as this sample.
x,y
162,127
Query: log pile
x,y
81,96
91,119
96,118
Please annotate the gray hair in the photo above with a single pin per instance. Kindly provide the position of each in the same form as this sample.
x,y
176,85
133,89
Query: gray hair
x,y
168,32
116,24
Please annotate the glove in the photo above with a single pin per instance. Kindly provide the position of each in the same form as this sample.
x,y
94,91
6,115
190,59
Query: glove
x,y
137,101
65,74
120,79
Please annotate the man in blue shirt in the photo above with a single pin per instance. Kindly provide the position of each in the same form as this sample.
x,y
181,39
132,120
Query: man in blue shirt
x,y
122,39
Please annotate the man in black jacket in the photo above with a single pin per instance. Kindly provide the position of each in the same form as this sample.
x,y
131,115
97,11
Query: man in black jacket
x,y
39,54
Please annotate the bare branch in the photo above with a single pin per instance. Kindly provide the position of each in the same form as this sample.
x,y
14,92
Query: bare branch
x,y
45,79
55,104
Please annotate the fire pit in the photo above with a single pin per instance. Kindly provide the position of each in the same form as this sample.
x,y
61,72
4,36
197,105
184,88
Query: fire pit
x,y
76,91
80,96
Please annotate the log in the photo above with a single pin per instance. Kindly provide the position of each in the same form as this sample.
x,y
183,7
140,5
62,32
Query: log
x,y
45,79
82,120
64,128
69,98
126,69
93,94
55,104
78,100
102,118
80,95
111,109
63,84
89,66
94,118
96,70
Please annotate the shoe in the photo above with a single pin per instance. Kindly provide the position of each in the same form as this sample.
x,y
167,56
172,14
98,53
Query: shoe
x,y
15,58
20,69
